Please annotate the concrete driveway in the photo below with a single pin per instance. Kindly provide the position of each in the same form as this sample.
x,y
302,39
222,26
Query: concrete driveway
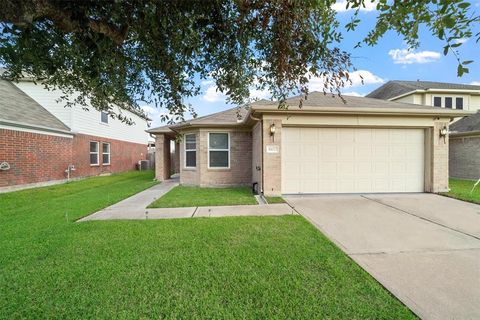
x,y
424,248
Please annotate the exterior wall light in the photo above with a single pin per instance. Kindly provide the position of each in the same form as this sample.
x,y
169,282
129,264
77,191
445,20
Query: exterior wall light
x,y
272,129
443,132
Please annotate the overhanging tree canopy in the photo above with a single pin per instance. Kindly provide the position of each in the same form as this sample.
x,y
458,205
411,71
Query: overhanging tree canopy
x,y
132,51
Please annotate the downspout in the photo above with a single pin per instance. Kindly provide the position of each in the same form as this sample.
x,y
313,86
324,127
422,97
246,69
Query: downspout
x,y
261,144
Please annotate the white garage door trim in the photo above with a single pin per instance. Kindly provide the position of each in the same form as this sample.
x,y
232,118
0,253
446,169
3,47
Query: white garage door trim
x,y
352,160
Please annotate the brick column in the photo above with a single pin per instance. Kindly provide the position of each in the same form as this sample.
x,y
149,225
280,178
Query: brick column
x,y
162,157
272,160
440,158
176,164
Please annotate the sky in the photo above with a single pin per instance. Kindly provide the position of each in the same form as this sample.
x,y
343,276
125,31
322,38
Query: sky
x,y
390,59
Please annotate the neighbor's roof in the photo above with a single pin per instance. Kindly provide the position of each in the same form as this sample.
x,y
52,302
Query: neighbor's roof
x,y
396,88
316,102
467,124
17,108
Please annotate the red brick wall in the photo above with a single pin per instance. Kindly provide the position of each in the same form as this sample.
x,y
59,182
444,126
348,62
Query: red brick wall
x,y
33,157
39,157
123,155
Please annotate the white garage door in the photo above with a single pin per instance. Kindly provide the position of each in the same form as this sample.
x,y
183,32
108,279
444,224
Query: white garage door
x,y
352,160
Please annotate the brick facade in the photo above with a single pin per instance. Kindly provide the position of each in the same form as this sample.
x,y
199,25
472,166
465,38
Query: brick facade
x,y
33,157
439,166
36,158
464,157
240,171
272,162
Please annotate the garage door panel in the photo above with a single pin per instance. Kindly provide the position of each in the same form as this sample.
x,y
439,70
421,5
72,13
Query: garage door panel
x,y
352,160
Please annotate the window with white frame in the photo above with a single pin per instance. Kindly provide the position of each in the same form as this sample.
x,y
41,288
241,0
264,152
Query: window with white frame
x,y
105,153
437,101
93,153
459,103
104,117
448,102
190,150
218,150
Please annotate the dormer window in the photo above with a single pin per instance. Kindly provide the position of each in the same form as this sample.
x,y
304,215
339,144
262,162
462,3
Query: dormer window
x,y
437,102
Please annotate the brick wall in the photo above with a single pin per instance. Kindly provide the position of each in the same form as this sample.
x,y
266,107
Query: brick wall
x,y
240,172
123,155
440,159
33,157
464,157
272,162
38,158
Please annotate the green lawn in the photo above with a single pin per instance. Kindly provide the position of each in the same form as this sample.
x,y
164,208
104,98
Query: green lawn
x,y
204,268
462,189
271,200
183,196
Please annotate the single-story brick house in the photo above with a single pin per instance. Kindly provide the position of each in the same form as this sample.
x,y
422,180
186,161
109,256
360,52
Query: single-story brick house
x,y
465,148
361,145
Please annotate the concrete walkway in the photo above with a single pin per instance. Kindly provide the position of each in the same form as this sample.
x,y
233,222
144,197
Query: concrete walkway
x,y
423,248
135,208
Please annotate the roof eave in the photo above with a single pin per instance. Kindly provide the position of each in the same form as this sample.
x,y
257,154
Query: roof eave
x,y
464,133
369,111
34,127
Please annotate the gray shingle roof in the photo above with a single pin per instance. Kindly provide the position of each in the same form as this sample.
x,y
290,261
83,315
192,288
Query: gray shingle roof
x,y
467,124
17,107
395,88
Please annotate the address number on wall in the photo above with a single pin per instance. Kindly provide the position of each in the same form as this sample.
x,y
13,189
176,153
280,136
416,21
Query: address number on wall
x,y
273,148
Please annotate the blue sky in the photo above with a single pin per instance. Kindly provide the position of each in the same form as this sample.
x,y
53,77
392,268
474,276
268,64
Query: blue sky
x,y
388,60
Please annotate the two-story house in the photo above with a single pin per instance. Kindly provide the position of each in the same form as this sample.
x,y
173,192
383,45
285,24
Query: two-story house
x,y
42,141
464,135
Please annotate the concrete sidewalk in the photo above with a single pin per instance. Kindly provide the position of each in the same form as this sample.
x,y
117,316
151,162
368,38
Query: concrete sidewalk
x,y
135,208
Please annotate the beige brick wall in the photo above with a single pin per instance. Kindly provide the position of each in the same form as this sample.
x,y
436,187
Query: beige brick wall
x,y
272,162
257,165
240,171
162,157
464,157
439,163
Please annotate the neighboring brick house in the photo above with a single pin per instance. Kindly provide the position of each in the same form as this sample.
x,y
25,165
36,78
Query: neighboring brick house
x,y
40,138
328,146
465,148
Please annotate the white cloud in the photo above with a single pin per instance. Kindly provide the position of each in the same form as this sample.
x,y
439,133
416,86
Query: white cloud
x,y
475,83
317,83
354,94
461,40
213,95
404,56
341,6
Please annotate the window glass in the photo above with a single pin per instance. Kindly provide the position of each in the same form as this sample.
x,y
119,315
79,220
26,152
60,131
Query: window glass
x,y
106,153
218,149
437,101
190,150
459,103
93,152
104,117
218,141
448,102
219,159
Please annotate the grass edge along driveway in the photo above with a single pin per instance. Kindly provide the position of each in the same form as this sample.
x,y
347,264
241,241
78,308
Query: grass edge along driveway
x,y
190,196
462,190
242,267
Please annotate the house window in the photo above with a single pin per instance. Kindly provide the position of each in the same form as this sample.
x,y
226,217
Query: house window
x,y
459,103
93,153
105,153
437,101
448,102
104,117
218,150
190,150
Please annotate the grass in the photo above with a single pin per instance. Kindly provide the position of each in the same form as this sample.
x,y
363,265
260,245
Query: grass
x,y
228,268
461,189
271,200
183,196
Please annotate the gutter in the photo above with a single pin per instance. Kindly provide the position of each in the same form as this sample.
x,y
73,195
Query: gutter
x,y
454,134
